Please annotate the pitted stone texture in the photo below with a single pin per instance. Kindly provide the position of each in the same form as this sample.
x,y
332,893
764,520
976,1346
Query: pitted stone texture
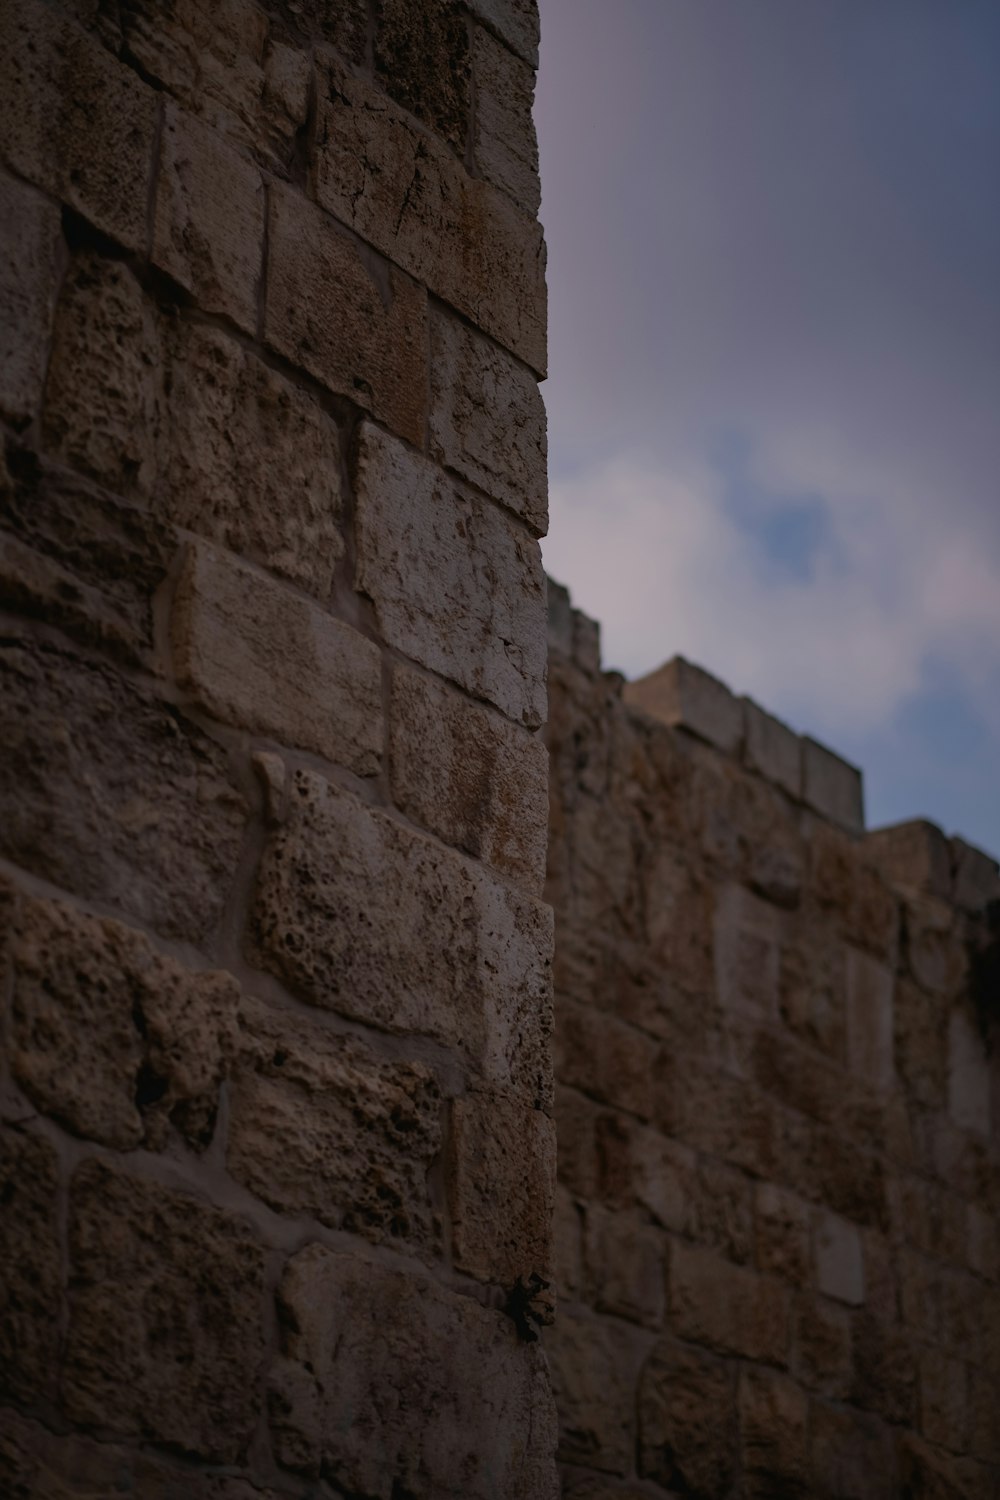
x,y
111,1038
515,23
343,26
772,749
774,1430
687,1422
29,240
595,1366
470,776
388,1384
504,142
421,58
30,1268
110,793
258,656
76,121
487,419
456,585
358,327
208,231
407,194
364,917
165,1339
832,786
625,1265
683,694
502,1172
319,1126
727,1307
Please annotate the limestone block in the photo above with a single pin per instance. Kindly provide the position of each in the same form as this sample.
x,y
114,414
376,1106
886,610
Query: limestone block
x,y
747,953
687,1421
607,1059
319,1126
968,1074
515,23
840,1270
726,1307
625,1266
683,694
421,59
595,1365
586,643
832,787
362,916
470,776
408,195
110,793
772,749
343,26
208,230
984,1439
359,328
976,876
944,1399
822,1350
76,122
812,990
863,904
455,583
851,1454
885,1366
31,1275
921,1051
501,1177
933,946
560,617
870,988
926,1471
111,1038
256,655
783,1224
29,239
487,419
165,1339
914,854
774,1434
504,143
567,1245
390,1384
982,1241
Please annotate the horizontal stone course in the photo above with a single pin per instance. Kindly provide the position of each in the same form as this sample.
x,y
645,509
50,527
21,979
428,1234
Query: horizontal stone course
x,y
832,786
682,694
504,142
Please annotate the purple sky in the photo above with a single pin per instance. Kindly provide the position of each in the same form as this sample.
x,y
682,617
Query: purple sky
x,y
774,394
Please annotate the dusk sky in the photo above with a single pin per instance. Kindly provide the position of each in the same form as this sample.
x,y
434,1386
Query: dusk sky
x,y
774,393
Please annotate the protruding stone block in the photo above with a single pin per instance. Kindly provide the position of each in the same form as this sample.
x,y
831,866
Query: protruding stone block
x,y
840,1269
832,787
504,142
679,693
914,854
29,239
560,617
772,749
421,59
976,876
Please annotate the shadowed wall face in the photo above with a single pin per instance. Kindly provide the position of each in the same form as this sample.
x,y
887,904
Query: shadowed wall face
x,y
277,1143
778,1213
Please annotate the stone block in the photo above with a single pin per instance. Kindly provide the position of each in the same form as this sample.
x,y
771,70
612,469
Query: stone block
x,y
319,1126
389,1384
748,936
933,948
504,142
154,824
726,1307
811,991
921,1051
772,749
470,776
681,694
607,1059
774,1435
885,1366
515,22
421,58
76,122
968,1074
358,327
409,196
861,902
595,1365
258,656
927,1473
870,1048
944,1399
782,1223
501,1178
586,643
560,617
343,26
822,1349
832,787
111,1038
208,229
851,1456
487,419
362,916
687,1422
840,1270
625,1266
915,855
30,234
567,1245
975,876
31,1276
165,1339
984,1436
455,583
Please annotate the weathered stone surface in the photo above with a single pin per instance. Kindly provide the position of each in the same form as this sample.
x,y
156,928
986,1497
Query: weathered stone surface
x,y
408,195
975,878
782,1234
343,26
75,121
840,1270
110,793
687,1422
108,1036
913,854
968,1074
727,1307
595,1364
388,1384
502,1170
29,241
365,917
607,1059
832,786
319,1126
208,230
514,21
165,1338
359,328
822,1353
456,585
30,1268
421,58
774,1417
487,419
504,142
470,776
921,1052
683,694
870,1020
772,749
747,953
851,1456
256,655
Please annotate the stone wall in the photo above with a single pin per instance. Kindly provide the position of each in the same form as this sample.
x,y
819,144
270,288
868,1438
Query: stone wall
x,y
277,1147
778,1212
